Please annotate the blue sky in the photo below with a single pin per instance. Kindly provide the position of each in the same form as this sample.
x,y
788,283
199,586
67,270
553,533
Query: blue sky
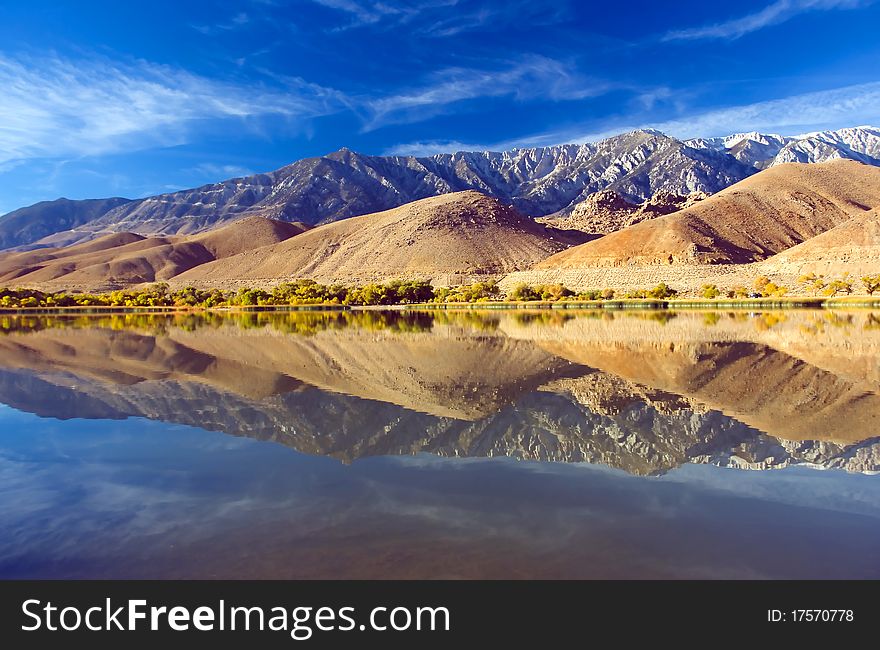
x,y
131,99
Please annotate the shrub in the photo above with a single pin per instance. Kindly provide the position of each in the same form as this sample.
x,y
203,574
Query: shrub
x,y
661,292
524,292
553,291
710,291
477,292
871,283
767,289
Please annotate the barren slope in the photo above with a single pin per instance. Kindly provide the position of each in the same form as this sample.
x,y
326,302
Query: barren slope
x,y
460,234
763,215
126,258
853,247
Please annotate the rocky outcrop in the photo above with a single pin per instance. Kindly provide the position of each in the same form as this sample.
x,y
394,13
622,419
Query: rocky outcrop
x,y
606,211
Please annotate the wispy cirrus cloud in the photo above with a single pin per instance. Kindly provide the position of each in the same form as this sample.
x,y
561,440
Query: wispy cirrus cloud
x,y
60,108
528,78
214,170
445,18
238,21
361,13
833,108
773,14
54,107
846,106
432,147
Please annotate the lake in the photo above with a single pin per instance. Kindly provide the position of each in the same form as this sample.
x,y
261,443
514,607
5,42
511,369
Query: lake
x,y
471,444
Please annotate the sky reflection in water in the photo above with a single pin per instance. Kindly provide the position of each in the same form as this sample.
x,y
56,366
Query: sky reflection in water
x,y
147,457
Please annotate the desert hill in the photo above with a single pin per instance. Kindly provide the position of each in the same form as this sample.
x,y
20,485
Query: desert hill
x,y
852,247
447,239
120,259
750,221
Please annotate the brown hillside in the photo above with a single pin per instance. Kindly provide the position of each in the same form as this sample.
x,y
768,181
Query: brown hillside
x,y
121,259
441,238
853,247
758,217
245,234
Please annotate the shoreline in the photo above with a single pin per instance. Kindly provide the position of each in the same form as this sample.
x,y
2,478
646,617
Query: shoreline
x,y
633,304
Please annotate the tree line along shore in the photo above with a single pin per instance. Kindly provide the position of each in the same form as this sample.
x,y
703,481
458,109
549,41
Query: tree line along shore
x,y
308,293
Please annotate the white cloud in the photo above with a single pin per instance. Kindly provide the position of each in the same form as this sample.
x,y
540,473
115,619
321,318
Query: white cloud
x,y
222,172
238,21
364,12
773,14
445,18
826,109
501,17
63,109
530,77
431,147
835,108
51,107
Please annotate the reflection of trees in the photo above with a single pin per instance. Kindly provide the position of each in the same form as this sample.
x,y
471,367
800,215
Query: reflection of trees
x,y
546,317
820,322
290,322
872,322
769,320
662,317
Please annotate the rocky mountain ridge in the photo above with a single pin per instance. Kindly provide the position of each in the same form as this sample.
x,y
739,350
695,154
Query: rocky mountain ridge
x,y
537,181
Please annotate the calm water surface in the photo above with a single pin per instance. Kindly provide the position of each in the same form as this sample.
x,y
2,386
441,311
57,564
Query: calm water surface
x,y
447,445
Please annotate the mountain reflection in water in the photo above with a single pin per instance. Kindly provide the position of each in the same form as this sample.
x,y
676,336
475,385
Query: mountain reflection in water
x,y
644,392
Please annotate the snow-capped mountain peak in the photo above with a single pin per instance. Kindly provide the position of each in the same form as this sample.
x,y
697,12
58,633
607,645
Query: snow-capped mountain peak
x,y
762,150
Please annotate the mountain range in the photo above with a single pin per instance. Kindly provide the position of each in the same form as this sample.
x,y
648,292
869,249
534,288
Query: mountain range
x,y
538,182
